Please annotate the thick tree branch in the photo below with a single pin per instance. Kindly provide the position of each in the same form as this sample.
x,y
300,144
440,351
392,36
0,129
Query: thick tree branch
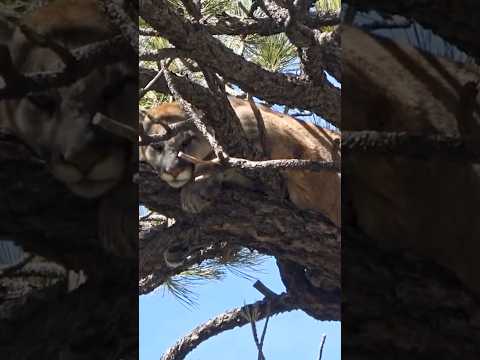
x,y
323,99
85,59
193,116
411,145
229,25
194,93
280,164
249,220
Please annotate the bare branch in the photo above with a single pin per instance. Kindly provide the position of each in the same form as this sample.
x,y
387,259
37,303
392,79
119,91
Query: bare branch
x,y
116,128
279,164
170,131
229,25
262,288
193,116
322,343
144,90
412,145
227,321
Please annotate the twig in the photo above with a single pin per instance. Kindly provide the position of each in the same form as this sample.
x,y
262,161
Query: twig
x,y
226,321
170,131
197,161
322,343
260,125
115,127
193,116
251,313
264,332
143,91
262,288
154,80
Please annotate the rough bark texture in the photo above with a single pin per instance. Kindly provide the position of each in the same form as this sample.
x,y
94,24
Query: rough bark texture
x,y
321,98
298,239
410,215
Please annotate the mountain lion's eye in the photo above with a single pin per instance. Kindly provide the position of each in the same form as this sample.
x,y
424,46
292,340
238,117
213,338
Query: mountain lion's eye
x,y
44,101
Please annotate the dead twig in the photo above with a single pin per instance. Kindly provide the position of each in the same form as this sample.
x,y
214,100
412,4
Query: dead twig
x,y
116,128
322,343
193,116
281,164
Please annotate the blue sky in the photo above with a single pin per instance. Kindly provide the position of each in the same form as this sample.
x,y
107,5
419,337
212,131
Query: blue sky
x,y
294,335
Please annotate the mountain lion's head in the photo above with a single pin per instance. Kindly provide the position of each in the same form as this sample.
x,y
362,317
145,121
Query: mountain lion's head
x,y
163,155
57,123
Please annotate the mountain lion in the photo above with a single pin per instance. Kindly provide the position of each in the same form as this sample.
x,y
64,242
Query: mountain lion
x,y
285,138
57,123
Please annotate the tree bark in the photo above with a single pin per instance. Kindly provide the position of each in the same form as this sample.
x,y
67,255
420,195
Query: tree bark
x,y
298,239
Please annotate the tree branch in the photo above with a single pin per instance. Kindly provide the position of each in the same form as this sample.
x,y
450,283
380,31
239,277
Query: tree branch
x,y
411,145
323,99
229,25
292,235
85,59
227,321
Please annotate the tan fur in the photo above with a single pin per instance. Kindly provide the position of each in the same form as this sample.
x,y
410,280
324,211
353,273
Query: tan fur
x,y
88,163
286,138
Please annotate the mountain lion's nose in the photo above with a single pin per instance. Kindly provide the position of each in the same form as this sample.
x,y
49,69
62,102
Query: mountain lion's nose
x,y
82,160
174,171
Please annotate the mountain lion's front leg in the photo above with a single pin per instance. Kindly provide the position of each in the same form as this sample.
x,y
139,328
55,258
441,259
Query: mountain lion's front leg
x,y
196,196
